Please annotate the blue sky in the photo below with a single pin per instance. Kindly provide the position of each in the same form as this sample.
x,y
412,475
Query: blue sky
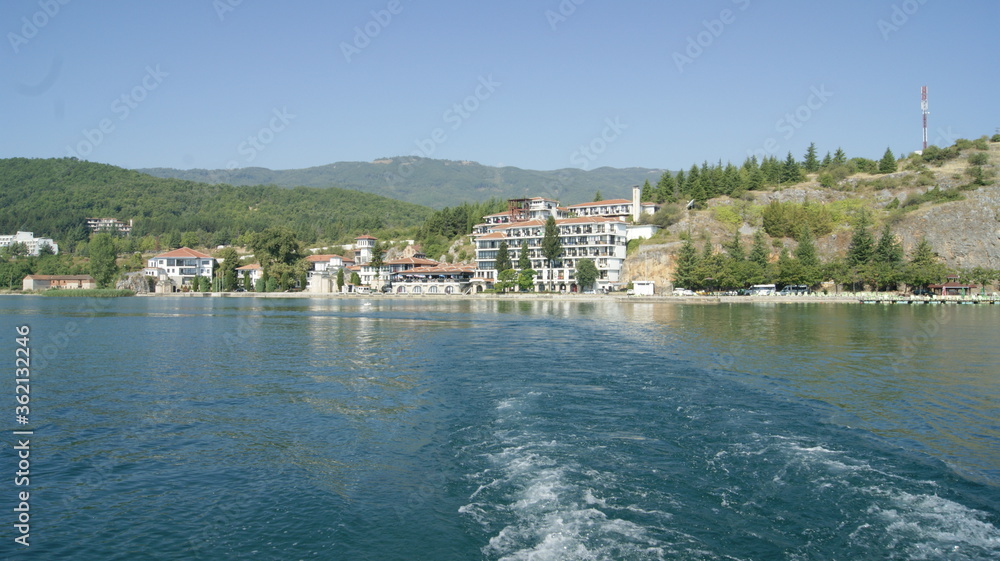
x,y
542,84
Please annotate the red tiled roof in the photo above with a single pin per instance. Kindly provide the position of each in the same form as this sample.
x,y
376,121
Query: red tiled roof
x,y
442,268
492,236
602,203
365,237
250,267
61,277
498,229
321,258
185,252
411,261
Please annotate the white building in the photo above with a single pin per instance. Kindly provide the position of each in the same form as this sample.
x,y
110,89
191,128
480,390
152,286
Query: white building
x,y
29,240
180,266
323,269
111,225
601,239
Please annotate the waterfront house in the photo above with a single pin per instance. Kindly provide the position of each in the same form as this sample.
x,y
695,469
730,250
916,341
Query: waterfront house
x,y
180,266
253,270
69,282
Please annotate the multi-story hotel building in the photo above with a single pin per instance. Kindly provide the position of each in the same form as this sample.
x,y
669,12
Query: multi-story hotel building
x,y
599,238
598,231
32,244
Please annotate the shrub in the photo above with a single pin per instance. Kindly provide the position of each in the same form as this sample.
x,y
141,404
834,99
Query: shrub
x,y
996,138
979,159
926,177
668,215
981,143
727,215
785,220
934,195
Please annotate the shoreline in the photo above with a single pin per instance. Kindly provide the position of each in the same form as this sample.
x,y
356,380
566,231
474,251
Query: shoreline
x,y
843,298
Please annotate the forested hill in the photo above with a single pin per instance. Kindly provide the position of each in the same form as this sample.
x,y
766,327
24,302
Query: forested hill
x,y
54,197
436,183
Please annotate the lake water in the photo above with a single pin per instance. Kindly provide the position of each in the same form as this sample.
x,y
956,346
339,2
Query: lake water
x,y
245,428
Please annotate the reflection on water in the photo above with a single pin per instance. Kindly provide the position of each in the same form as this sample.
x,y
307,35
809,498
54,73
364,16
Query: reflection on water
x,y
926,374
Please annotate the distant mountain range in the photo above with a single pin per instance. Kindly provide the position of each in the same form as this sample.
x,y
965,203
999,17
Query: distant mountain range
x,y
434,183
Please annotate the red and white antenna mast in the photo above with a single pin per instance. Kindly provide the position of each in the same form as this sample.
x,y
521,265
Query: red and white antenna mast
x,y
923,109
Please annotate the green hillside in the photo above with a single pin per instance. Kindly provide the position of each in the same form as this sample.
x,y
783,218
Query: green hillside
x,y
435,183
53,197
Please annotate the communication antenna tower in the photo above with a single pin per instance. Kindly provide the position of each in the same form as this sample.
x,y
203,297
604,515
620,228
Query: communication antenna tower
x,y
923,109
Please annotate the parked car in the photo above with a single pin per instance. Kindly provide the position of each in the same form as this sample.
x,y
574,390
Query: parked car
x,y
922,292
682,292
794,289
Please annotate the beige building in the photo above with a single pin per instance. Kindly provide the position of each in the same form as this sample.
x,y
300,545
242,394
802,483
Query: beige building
x,y
44,282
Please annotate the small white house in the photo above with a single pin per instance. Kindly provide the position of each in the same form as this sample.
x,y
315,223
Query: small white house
x,y
642,288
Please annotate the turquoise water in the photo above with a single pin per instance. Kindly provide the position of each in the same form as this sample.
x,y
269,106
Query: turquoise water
x,y
183,428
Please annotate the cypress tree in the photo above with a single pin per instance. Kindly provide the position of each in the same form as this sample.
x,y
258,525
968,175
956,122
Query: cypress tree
x,y
524,259
551,247
503,257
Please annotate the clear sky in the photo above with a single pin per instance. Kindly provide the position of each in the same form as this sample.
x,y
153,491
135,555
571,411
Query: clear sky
x,y
539,84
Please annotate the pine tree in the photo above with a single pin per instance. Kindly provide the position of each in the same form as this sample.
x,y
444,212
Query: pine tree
x,y
810,270
665,189
839,157
648,194
686,263
791,172
862,247
503,257
924,268
827,160
888,162
888,250
811,164
598,197
759,254
735,248
340,279
885,268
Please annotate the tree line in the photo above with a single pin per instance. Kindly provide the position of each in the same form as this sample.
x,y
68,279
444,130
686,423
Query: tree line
x,y
870,263
54,197
704,182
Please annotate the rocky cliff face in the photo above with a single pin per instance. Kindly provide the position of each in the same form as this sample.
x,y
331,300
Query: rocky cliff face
x,y
964,233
